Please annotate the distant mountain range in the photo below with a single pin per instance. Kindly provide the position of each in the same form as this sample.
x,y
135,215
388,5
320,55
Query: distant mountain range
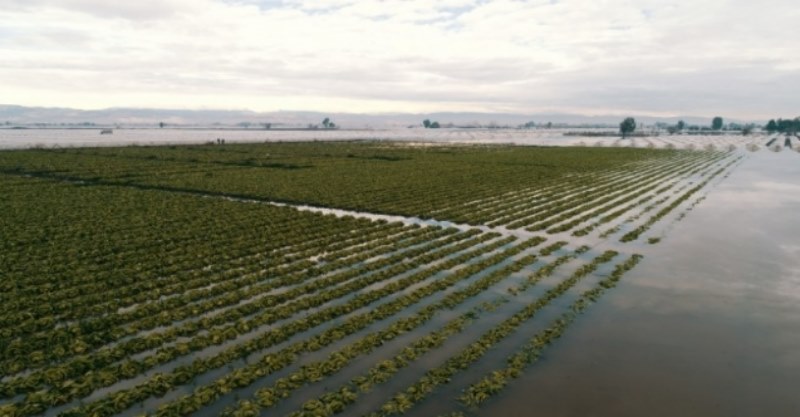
x,y
11,115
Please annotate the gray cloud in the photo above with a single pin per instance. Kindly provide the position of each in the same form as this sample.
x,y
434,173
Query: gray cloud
x,y
716,56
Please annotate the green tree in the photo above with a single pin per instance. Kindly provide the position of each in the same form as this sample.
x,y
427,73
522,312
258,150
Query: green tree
x,y
435,125
326,122
787,126
627,126
716,123
677,128
426,123
772,126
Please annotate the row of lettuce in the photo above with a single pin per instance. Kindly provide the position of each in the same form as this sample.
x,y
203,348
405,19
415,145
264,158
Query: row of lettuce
x,y
541,189
126,286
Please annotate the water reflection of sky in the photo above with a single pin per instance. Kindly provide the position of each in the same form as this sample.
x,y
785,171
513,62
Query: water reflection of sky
x,y
740,244
765,193
707,325
19,138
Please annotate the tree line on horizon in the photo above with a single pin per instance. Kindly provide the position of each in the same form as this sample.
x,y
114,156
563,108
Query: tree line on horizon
x,y
783,125
628,126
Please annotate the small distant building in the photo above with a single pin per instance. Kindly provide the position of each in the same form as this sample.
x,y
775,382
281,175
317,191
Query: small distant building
x,y
106,132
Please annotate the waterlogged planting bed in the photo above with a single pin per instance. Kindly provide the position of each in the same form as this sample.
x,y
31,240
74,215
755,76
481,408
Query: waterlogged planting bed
x,y
176,281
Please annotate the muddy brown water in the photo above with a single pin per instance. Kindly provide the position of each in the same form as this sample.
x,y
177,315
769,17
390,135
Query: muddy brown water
x,y
707,325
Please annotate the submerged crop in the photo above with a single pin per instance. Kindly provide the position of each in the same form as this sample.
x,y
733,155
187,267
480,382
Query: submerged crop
x,y
167,281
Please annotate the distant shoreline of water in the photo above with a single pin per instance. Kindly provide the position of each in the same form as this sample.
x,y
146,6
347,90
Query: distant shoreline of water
x,y
51,137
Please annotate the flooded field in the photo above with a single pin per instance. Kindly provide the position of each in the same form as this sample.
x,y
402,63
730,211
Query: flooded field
x,y
707,325
376,278
26,138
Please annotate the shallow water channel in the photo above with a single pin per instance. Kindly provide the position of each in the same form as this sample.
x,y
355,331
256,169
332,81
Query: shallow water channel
x,y
707,325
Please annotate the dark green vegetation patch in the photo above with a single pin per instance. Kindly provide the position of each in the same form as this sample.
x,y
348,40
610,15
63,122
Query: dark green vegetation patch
x,y
133,283
375,177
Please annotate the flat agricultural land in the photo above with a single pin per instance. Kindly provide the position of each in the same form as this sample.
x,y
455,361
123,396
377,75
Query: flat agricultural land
x,y
313,279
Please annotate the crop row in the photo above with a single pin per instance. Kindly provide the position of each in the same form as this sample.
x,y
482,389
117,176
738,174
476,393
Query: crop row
x,y
582,214
270,396
585,207
528,354
157,276
157,386
100,331
54,375
170,303
646,198
516,206
498,211
93,364
677,189
579,186
373,177
335,401
635,233
135,281
510,212
540,218
191,279
442,374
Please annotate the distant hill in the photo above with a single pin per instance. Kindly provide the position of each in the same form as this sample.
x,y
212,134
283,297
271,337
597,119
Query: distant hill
x,y
20,115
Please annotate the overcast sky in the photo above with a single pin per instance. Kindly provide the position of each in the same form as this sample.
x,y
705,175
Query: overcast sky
x,y
652,57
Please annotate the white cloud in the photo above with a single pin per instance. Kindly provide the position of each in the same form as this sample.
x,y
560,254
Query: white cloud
x,y
129,10
717,56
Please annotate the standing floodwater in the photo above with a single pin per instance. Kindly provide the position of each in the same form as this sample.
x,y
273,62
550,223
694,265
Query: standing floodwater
x,y
708,325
